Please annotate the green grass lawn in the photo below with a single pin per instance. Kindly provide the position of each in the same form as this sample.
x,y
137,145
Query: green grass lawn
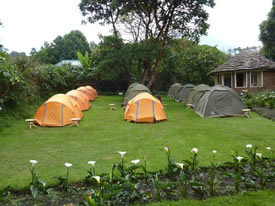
x,y
102,133
259,198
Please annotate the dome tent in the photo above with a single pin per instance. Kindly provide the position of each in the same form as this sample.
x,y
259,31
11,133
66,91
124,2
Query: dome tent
x,y
129,89
58,111
80,98
87,92
196,93
134,91
220,101
144,108
183,92
173,90
93,90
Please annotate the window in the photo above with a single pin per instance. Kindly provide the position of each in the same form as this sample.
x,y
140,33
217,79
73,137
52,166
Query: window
x,y
256,79
219,79
227,80
240,80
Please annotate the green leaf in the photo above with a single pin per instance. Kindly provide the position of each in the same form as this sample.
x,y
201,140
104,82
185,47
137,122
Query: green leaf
x,y
34,191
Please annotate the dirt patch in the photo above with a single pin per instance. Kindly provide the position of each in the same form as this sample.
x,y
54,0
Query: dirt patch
x,y
265,112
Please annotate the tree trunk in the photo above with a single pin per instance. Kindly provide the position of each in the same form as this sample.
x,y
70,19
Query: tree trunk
x,y
146,68
154,73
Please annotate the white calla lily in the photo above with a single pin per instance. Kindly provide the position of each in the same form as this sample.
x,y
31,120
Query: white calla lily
x,y
214,151
92,163
259,155
97,178
249,146
195,150
135,161
68,164
239,158
122,154
166,149
33,162
180,165
268,148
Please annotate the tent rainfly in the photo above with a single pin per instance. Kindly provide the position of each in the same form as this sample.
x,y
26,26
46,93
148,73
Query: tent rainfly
x,y
173,90
183,92
58,111
93,90
144,108
196,93
129,89
80,98
87,92
134,91
220,101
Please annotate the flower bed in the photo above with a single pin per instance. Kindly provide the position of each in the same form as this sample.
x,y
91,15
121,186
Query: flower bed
x,y
131,183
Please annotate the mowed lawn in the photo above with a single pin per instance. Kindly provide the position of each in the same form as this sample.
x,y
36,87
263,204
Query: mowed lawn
x,y
102,133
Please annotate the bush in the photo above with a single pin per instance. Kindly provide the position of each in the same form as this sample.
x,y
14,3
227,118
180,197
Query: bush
x,y
262,99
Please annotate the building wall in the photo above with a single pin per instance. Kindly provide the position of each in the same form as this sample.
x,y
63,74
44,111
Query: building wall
x,y
268,82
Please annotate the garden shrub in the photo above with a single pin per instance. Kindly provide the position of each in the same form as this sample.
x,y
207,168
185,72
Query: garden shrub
x,y
262,99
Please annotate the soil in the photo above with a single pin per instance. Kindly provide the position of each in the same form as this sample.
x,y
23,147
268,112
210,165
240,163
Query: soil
x,y
265,112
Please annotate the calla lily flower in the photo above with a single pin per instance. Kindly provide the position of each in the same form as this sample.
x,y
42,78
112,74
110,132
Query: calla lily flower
x,y
122,154
97,178
180,165
92,163
249,146
259,155
214,151
166,149
239,158
195,150
68,164
135,161
268,148
33,162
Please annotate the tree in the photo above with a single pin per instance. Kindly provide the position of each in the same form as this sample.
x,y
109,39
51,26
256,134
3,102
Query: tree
x,y
267,34
62,48
153,21
103,11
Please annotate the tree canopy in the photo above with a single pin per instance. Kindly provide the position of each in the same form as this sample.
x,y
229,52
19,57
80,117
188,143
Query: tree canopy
x,y
267,34
62,48
151,22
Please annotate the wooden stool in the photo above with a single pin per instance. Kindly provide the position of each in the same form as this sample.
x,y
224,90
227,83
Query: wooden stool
x,y
189,106
164,106
75,121
31,122
246,112
112,106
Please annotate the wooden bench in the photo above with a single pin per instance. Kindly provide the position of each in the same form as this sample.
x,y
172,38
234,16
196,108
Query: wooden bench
x,y
112,106
75,121
31,122
189,106
246,112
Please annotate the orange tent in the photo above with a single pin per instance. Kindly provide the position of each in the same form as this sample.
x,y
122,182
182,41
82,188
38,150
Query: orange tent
x,y
93,90
81,99
58,111
144,108
87,92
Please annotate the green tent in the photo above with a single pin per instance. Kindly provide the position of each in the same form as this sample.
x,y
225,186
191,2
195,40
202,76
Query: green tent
x,y
220,101
173,90
129,89
183,92
196,93
134,91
